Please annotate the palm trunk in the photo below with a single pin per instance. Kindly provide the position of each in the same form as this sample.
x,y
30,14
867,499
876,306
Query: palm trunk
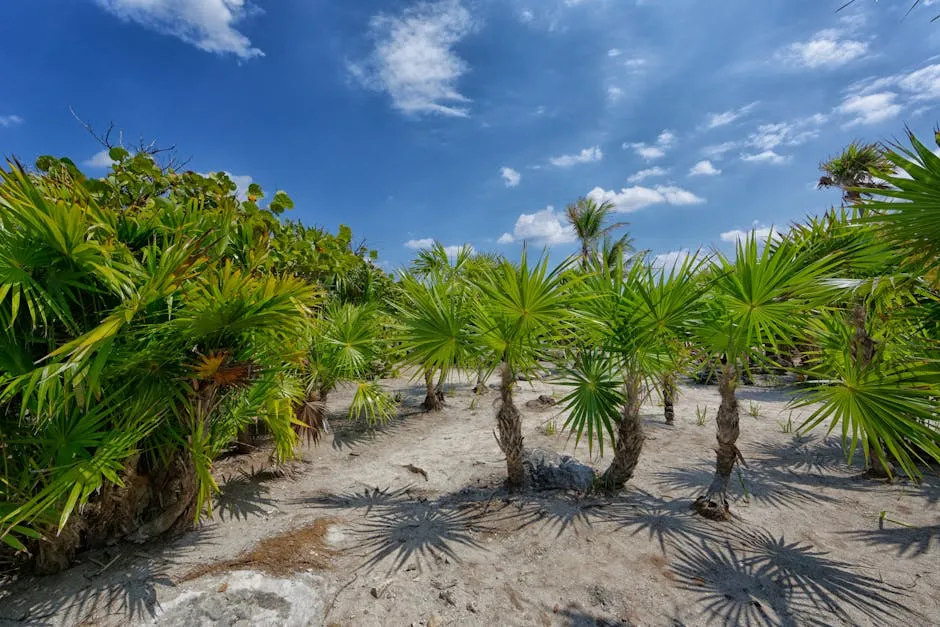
x,y
432,402
480,387
510,429
629,441
862,350
439,389
669,398
714,504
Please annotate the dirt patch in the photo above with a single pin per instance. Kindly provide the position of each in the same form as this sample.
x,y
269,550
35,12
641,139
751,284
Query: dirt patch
x,y
287,553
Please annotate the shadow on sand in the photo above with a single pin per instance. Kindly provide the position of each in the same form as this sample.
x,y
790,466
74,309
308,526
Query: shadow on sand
x,y
119,582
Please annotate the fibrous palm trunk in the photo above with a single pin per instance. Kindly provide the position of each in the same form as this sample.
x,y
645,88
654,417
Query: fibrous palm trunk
x,y
669,398
510,429
432,400
714,503
629,441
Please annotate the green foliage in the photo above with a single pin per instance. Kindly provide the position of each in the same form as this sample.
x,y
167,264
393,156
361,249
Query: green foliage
x,y
147,318
701,415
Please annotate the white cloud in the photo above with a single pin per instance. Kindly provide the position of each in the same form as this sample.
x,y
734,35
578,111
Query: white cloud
x,y
671,259
526,16
452,251
727,117
761,233
587,155
717,151
826,49
923,84
543,227
242,181
10,120
510,176
414,60
647,173
634,198
614,94
416,244
651,152
614,52
207,24
768,156
870,108
704,168
100,159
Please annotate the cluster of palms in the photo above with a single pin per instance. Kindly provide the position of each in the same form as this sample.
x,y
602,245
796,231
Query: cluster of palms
x,y
152,320
848,301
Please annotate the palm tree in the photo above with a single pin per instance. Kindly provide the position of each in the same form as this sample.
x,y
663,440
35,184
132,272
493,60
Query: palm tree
x,y
434,328
523,310
758,303
589,221
856,168
632,329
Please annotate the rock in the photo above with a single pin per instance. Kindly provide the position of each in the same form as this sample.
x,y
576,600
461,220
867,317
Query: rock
x,y
471,608
435,621
544,401
550,471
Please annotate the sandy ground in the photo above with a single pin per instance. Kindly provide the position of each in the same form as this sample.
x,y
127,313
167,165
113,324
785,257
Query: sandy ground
x,y
807,547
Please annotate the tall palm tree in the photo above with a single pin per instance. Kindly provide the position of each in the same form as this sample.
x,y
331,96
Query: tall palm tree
x,y
758,303
522,312
632,331
856,168
589,221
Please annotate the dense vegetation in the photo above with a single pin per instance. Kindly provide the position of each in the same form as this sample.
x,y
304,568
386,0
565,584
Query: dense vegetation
x,y
153,320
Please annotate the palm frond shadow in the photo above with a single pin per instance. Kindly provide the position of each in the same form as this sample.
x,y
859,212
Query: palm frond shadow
x,y
407,531
766,486
351,434
639,512
240,498
908,541
808,453
754,578
120,582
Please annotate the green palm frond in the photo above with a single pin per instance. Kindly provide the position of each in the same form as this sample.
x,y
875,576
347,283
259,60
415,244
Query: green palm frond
x,y
596,397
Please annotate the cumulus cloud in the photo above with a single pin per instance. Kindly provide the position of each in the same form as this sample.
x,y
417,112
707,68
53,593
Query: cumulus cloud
x,y
543,227
587,155
510,177
614,94
704,168
767,156
100,159
207,24
647,173
671,259
634,198
657,150
761,233
727,117
10,120
826,49
417,244
870,108
414,59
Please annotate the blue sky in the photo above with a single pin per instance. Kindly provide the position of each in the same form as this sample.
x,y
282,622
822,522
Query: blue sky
x,y
477,121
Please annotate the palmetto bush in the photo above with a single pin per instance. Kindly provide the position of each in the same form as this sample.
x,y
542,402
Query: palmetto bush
x,y
139,334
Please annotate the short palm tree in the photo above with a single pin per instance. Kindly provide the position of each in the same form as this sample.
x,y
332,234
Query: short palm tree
x,y
633,329
758,305
434,327
523,312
